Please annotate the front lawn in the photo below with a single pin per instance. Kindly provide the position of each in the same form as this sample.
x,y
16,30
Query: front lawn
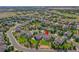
x,y
21,40
33,41
44,42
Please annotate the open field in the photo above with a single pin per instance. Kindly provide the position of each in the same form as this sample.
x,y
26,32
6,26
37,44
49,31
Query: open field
x,y
7,14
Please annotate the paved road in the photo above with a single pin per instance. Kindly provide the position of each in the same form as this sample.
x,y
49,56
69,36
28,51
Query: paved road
x,y
20,47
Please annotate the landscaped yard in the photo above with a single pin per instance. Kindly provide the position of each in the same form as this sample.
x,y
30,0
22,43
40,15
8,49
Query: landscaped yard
x,y
21,39
75,31
43,42
33,41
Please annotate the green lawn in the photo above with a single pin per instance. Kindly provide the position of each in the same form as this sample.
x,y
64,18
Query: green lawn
x,y
21,40
43,42
33,41
67,46
75,31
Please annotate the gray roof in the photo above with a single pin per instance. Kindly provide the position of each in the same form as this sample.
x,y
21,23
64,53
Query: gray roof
x,y
58,41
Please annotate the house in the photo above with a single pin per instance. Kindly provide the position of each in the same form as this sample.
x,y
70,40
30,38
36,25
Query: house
x,y
58,41
26,34
17,29
46,37
29,34
65,27
38,37
68,33
8,23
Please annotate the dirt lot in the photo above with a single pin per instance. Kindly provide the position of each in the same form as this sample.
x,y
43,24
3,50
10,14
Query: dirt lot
x,y
7,14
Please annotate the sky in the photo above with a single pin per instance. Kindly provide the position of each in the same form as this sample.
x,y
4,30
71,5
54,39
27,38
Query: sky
x,y
39,2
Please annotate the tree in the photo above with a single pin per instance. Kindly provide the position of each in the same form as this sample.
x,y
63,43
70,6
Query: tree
x,y
37,45
67,46
60,32
52,31
9,49
6,39
52,42
29,41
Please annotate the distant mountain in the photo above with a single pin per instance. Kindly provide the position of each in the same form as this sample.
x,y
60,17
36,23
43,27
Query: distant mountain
x,y
24,8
